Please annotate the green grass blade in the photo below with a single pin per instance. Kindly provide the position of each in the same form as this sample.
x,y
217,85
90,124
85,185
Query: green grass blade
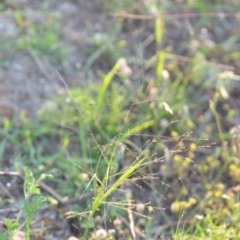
x,y
107,80
159,26
158,30
136,129
103,195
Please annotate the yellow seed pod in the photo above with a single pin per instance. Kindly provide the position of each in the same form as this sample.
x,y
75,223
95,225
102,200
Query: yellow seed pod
x,y
192,201
177,158
192,147
174,134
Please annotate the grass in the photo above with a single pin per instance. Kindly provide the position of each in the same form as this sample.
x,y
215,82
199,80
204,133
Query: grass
x,y
30,34
153,151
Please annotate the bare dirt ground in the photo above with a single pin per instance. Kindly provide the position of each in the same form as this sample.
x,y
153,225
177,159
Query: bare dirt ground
x,y
26,81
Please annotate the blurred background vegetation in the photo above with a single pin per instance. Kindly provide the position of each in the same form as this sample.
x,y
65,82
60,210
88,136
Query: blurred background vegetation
x,y
120,119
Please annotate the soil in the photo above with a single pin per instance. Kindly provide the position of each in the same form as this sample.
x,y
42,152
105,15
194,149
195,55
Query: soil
x,y
27,81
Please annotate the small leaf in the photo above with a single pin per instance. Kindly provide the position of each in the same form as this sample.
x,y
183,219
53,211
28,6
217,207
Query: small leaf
x,y
11,224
